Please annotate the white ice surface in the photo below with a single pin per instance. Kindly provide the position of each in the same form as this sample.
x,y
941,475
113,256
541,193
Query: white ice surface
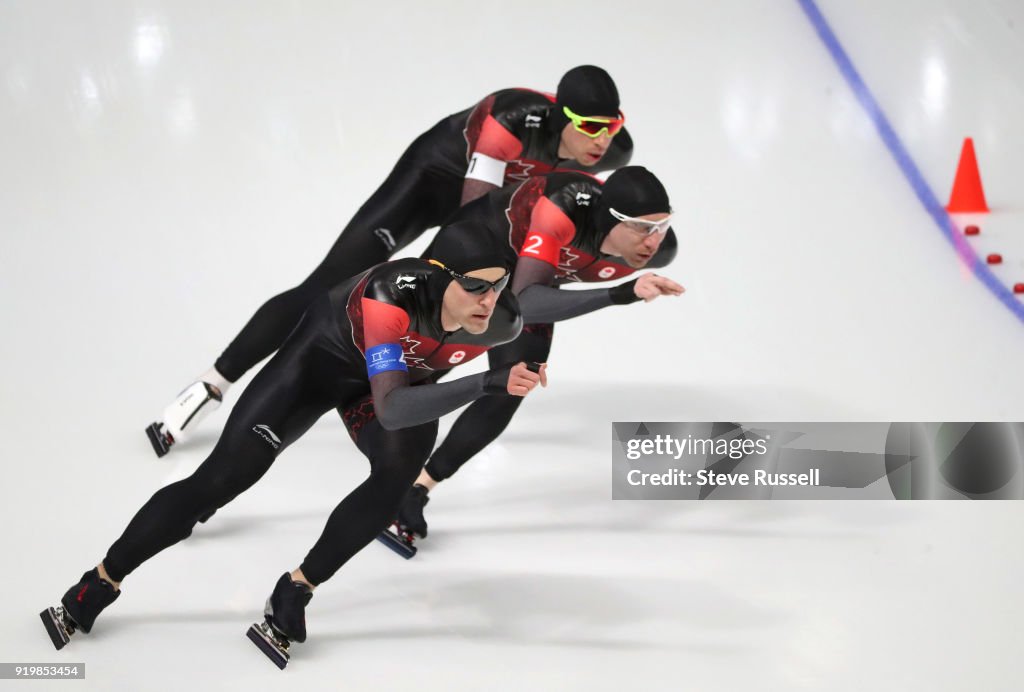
x,y
167,166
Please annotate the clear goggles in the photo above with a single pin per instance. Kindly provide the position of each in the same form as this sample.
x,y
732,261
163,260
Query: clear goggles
x,y
644,226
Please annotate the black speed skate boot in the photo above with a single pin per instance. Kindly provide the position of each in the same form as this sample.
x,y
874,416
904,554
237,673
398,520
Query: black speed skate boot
x,y
410,513
79,608
284,620
410,522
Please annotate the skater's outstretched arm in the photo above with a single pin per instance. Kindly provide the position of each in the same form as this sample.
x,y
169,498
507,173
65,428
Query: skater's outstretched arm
x,y
398,405
541,302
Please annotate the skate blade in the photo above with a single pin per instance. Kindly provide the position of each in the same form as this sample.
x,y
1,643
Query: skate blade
x,y
55,628
157,439
396,543
262,638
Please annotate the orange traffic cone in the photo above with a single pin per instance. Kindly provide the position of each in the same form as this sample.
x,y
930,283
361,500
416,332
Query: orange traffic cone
x,y
967,195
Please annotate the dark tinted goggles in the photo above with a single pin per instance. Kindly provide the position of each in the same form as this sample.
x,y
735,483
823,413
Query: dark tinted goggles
x,y
474,285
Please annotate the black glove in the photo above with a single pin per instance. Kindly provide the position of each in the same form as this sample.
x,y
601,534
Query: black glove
x,y
496,380
623,294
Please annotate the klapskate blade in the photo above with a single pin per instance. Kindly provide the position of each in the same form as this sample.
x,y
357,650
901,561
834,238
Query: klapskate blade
x,y
51,621
157,439
267,646
397,544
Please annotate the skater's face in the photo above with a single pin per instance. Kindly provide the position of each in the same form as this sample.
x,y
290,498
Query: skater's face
x,y
472,311
633,242
586,150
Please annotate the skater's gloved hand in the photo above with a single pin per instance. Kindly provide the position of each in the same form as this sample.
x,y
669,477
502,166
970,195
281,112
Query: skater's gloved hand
x,y
517,380
647,287
523,378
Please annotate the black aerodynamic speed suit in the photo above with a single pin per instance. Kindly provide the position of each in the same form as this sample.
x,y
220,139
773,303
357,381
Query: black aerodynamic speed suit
x,y
550,218
383,325
518,126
